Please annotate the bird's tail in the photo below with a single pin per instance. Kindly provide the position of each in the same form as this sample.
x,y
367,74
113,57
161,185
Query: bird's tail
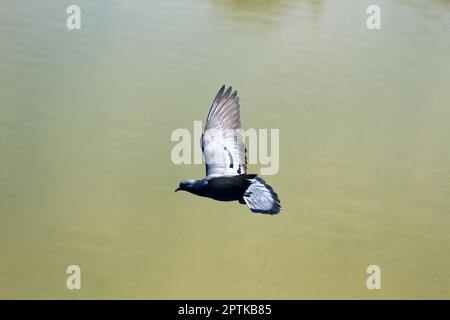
x,y
261,198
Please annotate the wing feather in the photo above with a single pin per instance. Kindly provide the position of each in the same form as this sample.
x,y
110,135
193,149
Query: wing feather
x,y
261,198
222,145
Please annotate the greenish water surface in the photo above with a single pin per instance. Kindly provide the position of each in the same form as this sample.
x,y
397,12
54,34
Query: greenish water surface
x,y
86,176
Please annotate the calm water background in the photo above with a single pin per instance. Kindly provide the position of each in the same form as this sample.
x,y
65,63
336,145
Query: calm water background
x,y
86,176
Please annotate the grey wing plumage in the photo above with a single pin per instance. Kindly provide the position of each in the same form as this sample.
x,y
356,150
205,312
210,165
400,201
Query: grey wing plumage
x,y
222,144
261,198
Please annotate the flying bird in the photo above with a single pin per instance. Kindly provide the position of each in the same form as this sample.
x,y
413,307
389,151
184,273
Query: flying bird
x,y
226,161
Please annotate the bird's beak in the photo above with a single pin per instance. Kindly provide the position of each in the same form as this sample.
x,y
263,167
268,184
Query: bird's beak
x,y
177,189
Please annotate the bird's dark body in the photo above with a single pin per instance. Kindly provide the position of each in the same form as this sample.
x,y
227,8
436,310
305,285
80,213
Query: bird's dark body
x,y
227,188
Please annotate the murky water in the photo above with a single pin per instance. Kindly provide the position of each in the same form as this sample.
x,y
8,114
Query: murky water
x,y
86,176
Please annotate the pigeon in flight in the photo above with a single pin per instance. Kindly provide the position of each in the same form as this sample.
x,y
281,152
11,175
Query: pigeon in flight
x,y
226,161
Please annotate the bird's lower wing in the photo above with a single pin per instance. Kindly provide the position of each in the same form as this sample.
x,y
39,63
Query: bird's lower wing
x,y
261,198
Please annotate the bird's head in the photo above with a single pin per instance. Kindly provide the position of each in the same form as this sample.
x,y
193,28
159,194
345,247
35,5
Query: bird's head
x,y
185,185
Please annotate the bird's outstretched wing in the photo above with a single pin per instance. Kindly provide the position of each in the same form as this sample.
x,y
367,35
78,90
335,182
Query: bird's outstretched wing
x,y
261,198
222,144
